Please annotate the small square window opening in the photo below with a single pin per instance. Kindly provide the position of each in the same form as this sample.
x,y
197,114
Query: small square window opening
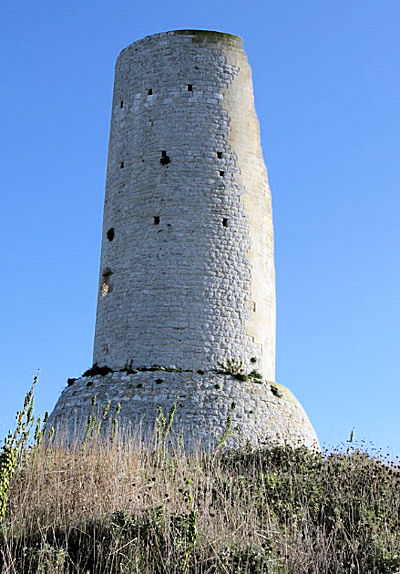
x,y
165,159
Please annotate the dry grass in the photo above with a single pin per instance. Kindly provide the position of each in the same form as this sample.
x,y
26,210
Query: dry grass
x,y
124,507
112,504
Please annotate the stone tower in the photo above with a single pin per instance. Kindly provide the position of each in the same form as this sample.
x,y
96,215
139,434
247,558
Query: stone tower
x,y
186,302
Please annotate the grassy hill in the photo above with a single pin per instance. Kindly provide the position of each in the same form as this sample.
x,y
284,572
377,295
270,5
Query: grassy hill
x,y
119,506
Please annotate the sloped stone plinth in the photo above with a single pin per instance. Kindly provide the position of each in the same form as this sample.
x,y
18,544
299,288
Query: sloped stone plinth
x,y
261,413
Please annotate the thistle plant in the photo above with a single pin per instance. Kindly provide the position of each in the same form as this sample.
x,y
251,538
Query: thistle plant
x,y
163,427
228,430
90,423
115,421
227,433
94,423
15,446
39,431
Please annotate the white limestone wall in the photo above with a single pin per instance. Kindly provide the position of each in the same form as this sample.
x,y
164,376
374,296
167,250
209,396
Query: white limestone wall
x,y
187,269
260,413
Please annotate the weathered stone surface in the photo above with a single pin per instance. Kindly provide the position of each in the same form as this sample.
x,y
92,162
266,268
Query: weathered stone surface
x,y
204,403
196,285
187,273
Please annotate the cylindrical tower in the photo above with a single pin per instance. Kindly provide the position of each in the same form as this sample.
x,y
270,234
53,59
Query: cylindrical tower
x,y
187,269
187,280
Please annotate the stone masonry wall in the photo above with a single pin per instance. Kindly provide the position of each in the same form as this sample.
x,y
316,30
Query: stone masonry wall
x,y
261,413
187,275
187,270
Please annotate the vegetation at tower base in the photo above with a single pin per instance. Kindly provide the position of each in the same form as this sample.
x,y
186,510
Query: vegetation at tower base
x,y
122,506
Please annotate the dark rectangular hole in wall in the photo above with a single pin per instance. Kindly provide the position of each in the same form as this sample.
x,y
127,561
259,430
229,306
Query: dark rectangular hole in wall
x,y
190,88
225,222
156,220
150,92
222,173
121,105
122,164
110,234
219,154
165,159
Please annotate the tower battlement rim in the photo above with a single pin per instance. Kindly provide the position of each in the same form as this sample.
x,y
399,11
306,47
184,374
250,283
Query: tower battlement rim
x,y
199,34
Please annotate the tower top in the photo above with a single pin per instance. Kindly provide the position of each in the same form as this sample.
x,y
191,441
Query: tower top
x,y
198,36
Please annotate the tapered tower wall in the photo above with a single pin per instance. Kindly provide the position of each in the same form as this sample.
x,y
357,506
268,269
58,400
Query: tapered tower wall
x,y
187,269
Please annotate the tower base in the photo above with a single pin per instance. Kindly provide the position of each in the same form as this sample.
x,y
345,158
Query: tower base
x,y
209,406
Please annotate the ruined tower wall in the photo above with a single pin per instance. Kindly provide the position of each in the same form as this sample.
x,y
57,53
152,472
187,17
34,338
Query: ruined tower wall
x,y
187,270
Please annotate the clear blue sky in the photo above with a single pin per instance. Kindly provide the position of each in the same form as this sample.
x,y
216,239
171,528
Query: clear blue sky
x,y
327,92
